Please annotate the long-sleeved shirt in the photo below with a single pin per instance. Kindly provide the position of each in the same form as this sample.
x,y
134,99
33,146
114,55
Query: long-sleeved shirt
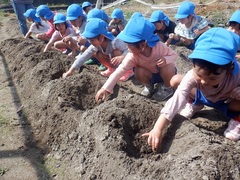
x,y
89,52
180,97
57,36
150,63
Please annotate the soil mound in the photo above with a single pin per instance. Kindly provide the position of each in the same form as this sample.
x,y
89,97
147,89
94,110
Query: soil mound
x,y
103,141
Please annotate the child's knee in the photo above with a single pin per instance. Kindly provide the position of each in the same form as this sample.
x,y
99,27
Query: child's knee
x,y
175,80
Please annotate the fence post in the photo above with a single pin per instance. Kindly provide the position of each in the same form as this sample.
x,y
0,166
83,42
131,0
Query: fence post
x,y
98,4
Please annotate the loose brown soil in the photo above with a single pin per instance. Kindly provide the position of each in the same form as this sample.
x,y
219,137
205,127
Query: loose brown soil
x,y
63,134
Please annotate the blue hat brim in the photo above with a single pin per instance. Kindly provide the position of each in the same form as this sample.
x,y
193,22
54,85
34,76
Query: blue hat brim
x,y
126,38
90,35
71,18
181,16
152,20
213,58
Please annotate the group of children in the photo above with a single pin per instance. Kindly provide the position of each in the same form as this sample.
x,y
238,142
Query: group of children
x,y
140,47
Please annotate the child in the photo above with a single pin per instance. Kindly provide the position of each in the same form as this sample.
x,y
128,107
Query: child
x,y
163,25
45,14
190,26
37,26
118,22
234,26
214,78
152,60
87,6
62,30
78,21
109,50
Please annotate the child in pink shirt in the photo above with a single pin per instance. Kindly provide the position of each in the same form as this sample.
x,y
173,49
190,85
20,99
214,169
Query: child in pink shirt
x,y
213,81
62,30
47,15
152,60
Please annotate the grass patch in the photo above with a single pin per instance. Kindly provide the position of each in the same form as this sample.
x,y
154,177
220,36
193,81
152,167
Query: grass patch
x,y
2,171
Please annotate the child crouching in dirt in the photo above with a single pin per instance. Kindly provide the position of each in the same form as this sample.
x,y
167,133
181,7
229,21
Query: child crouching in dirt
x,y
213,81
109,50
152,60
63,29
234,26
189,27
37,26
47,15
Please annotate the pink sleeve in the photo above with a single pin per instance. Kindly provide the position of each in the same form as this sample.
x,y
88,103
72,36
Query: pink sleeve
x,y
180,97
51,30
126,64
169,54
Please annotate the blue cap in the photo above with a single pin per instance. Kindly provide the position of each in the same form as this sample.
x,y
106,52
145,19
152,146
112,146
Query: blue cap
x,y
218,46
95,13
30,13
96,26
74,11
158,15
86,4
104,14
117,13
44,11
235,17
138,29
136,15
185,9
59,18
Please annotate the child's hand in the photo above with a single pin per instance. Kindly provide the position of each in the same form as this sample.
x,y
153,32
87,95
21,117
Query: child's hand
x,y
171,35
81,40
67,39
235,94
161,62
197,32
116,60
154,138
101,95
155,135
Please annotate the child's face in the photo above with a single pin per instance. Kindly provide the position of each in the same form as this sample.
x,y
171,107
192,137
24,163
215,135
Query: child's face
x,y
133,48
88,9
185,20
97,41
203,77
158,25
42,18
117,20
61,27
29,19
77,22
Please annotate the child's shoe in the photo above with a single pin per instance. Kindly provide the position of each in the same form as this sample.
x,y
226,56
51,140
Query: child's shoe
x,y
147,91
163,93
127,75
102,68
190,109
233,130
91,61
107,72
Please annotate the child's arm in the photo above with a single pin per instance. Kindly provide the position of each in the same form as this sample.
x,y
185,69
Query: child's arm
x,y
200,31
80,60
28,35
155,135
120,27
102,95
48,46
68,73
